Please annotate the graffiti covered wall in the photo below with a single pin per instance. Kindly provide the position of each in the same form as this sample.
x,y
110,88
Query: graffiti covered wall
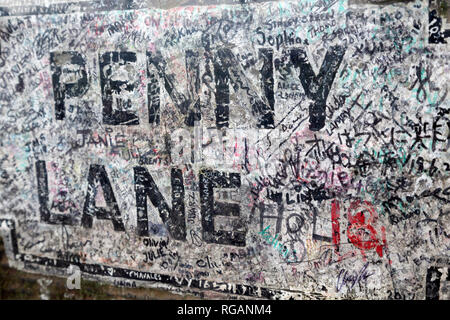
x,y
276,150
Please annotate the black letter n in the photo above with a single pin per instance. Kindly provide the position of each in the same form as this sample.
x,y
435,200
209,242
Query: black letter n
x,y
174,218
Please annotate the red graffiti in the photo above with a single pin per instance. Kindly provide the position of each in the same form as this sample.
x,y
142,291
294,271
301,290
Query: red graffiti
x,y
336,236
361,233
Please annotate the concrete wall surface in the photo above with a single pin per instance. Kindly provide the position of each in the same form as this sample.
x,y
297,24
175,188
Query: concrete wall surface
x,y
226,149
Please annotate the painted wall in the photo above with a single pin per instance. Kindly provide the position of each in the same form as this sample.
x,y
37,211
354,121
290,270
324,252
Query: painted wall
x,y
250,150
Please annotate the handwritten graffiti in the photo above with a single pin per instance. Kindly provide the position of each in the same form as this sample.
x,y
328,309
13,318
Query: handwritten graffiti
x,y
154,147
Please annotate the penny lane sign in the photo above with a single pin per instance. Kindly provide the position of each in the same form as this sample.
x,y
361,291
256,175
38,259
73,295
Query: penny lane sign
x,y
154,147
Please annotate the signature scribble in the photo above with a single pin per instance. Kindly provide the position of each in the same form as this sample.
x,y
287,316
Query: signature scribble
x,y
350,279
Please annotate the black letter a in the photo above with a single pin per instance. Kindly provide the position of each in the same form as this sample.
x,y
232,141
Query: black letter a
x,y
97,173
